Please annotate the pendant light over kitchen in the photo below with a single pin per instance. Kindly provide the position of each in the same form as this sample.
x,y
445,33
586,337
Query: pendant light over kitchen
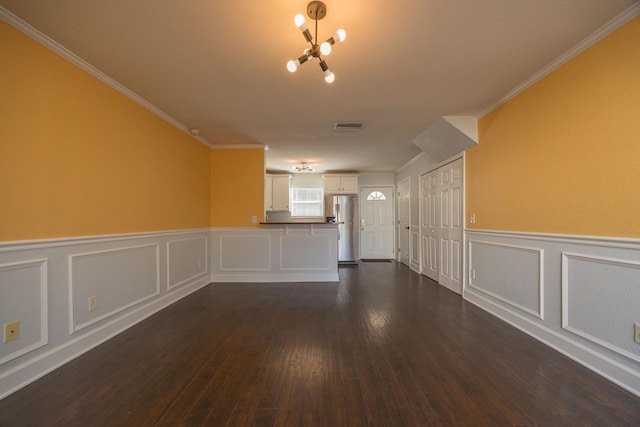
x,y
316,10
303,167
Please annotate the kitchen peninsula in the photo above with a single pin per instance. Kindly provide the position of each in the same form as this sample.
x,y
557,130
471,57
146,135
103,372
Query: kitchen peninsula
x,y
277,252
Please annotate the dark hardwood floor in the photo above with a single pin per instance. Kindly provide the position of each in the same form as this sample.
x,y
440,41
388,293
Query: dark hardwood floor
x,y
383,347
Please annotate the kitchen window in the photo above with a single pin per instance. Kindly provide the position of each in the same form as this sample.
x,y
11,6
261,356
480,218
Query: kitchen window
x,y
306,202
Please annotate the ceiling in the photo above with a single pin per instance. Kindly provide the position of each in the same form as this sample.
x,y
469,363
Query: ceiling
x,y
220,66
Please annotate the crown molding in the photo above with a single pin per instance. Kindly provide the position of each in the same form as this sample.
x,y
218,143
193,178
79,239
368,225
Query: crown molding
x,y
238,146
591,40
57,48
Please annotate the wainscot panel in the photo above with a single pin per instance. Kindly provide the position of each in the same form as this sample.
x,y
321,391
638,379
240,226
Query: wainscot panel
x,y
244,252
509,273
577,294
115,279
187,260
46,286
592,285
306,252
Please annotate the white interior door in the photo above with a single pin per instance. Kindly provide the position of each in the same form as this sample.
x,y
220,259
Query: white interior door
x,y
429,222
449,204
404,220
376,223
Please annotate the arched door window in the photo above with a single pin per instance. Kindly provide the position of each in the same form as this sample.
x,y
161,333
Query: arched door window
x,y
376,195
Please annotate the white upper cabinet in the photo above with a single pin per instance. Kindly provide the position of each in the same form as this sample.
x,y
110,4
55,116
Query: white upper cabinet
x,y
340,184
276,192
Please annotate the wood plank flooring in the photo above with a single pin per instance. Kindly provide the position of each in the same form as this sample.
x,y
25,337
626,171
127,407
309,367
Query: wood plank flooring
x,y
383,347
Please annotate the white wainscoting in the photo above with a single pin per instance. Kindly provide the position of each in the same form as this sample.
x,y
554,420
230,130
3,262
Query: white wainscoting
x,y
46,284
577,294
276,253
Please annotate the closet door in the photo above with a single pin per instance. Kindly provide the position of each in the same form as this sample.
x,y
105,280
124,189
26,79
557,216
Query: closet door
x,y
449,203
429,223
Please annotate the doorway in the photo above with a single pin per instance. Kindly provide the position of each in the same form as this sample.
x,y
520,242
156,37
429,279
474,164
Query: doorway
x,y
376,223
404,220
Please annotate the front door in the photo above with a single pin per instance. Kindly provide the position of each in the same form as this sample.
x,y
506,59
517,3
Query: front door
x,y
376,223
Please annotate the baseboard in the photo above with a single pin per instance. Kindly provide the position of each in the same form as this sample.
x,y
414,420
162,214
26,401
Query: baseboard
x,y
269,278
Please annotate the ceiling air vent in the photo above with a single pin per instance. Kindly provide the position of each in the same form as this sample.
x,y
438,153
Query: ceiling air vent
x,y
350,126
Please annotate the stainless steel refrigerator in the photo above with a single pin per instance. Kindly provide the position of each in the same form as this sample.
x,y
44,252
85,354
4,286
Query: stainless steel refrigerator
x,y
344,211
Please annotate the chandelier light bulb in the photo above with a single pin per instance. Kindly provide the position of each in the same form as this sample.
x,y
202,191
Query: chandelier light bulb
x,y
325,48
341,35
329,77
292,65
299,21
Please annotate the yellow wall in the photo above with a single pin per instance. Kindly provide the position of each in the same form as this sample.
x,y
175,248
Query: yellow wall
x,y
564,155
237,187
78,158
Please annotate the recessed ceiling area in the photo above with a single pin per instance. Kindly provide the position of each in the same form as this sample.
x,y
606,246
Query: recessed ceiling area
x,y
220,67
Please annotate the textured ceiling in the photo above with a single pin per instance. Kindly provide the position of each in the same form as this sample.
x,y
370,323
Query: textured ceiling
x,y
219,66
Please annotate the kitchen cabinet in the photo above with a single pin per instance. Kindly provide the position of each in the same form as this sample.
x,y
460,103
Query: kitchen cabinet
x,y
340,184
276,192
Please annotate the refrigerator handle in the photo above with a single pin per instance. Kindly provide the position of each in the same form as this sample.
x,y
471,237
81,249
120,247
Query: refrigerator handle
x,y
338,218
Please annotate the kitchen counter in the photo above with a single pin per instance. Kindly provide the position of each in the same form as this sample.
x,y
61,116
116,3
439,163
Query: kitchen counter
x,y
301,223
278,252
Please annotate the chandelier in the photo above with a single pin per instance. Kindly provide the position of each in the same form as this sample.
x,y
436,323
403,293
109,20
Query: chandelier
x,y
304,167
316,10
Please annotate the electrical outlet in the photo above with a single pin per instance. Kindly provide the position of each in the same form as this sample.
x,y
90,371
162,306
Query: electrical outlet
x,y
473,274
11,330
472,220
636,334
254,219
93,303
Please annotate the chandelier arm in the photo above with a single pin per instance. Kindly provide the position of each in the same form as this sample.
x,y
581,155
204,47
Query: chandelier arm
x,y
316,19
